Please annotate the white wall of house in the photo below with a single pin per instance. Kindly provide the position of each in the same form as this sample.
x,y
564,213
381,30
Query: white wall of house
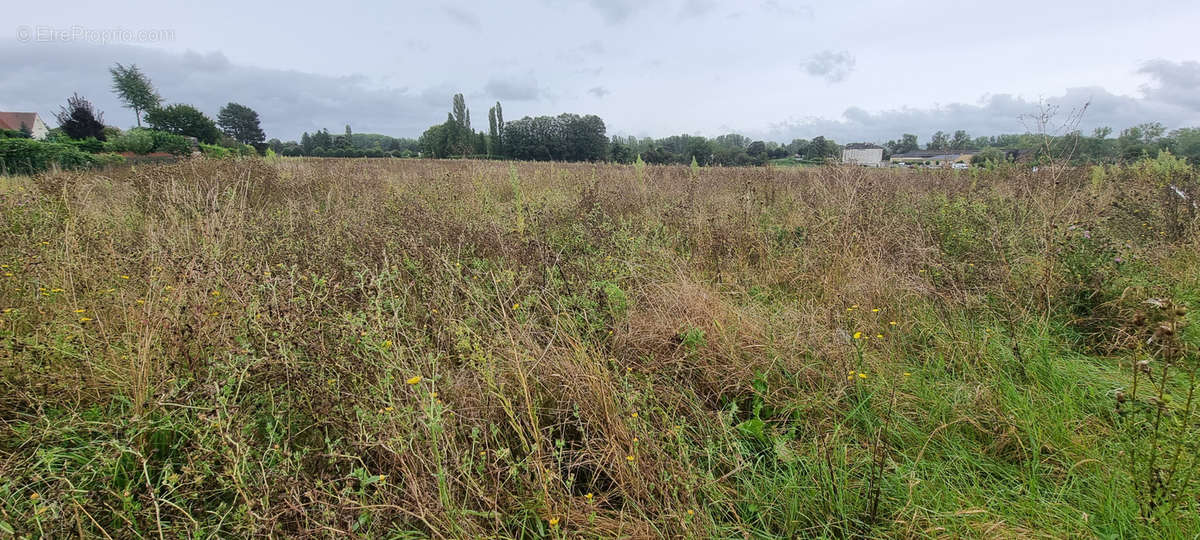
x,y
871,157
39,129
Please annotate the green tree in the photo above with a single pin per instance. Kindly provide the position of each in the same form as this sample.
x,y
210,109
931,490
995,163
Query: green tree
x,y
182,119
134,89
79,120
241,123
940,141
462,115
493,134
960,141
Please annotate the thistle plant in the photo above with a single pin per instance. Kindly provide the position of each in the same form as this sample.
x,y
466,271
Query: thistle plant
x,y
1159,414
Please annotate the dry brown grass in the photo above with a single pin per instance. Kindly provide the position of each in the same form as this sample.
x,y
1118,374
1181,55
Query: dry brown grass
x,y
253,325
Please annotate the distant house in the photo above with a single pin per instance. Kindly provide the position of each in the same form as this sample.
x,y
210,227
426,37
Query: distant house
x,y
932,158
865,154
31,120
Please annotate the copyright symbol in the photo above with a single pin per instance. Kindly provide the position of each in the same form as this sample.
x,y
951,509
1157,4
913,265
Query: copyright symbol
x,y
23,34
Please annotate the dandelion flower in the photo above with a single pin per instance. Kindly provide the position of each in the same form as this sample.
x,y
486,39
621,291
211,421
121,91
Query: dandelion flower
x,y
123,276
875,310
858,335
629,458
862,375
907,374
84,319
554,522
516,307
80,310
387,343
414,380
691,512
893,323
34,496
634,415
880,336
588,497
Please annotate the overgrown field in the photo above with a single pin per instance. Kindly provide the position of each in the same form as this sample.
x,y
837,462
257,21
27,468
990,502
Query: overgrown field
x,y
405,349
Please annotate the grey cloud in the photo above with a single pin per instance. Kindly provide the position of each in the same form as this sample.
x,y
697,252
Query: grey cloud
x,y
830,65
789,9
289,102
463,17
598,91
696,8
995,114
515,89
1176,83
616,11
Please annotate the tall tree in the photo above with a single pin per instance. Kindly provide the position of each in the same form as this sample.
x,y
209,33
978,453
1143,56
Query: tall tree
x,y
502,147
960,141
493,135
940,141
241,123
186,120
134,88
462,115
79,120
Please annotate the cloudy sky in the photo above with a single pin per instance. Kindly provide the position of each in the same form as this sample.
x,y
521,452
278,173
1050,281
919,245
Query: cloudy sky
x,y
775,69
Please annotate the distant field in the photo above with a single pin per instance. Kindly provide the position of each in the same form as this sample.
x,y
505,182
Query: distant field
x,y
460,349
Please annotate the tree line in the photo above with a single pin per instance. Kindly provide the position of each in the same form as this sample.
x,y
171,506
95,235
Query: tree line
x,y
565,137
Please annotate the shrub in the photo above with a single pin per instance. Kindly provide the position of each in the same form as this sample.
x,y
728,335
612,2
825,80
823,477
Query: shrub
x,y
138,141
171,143
90,145
27,156
108,159
214,151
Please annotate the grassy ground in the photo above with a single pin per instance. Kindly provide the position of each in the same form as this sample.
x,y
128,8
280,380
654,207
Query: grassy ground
x,y
410,349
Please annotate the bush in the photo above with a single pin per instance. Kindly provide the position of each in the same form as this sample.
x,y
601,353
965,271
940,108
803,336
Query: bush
x,y
12,134
138,141
90,145
109,159
171,143
27,156
214,151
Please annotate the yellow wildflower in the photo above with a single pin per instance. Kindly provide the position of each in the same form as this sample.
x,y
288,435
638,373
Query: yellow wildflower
x,y
80,310
123,276
414,380
588,497
84,319
893,323
858,335
629,458
907,374
875,310
554,522
862,375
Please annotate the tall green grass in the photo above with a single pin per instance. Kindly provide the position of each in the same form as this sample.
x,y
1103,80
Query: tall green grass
x,y
406,349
